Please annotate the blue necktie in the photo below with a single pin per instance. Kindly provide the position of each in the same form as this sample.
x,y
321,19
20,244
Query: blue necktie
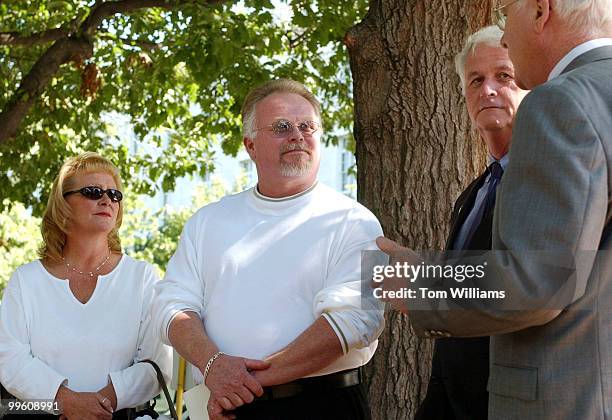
x,y
495,171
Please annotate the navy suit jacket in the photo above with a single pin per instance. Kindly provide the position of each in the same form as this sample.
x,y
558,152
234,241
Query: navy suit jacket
x,y
460,367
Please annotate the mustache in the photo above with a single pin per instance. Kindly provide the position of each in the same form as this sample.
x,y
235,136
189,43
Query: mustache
x,y
290,147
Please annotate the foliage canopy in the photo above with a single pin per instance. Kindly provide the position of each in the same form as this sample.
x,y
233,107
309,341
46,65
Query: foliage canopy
x,y
178,71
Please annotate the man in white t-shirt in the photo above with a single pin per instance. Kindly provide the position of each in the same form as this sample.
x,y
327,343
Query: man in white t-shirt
x,y
263,295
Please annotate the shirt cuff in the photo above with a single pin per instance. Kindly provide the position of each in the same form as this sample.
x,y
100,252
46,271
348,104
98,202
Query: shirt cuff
x,y
120,389
167,320
46,384
336,327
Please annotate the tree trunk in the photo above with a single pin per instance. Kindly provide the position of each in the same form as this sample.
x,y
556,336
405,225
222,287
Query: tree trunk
x,y
415,154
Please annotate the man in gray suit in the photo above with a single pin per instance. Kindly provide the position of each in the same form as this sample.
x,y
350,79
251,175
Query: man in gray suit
x,y
548,360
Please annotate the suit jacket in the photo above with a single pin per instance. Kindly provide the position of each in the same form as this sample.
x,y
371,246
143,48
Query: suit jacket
x,y
460,366
551,362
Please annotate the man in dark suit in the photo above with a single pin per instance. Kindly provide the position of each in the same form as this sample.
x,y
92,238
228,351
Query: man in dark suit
x,y
460,368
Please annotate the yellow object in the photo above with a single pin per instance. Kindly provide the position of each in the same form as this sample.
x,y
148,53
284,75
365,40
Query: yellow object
x,y
180,387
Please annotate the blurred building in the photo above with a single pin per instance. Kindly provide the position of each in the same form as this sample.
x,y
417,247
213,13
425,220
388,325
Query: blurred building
x,y
336,171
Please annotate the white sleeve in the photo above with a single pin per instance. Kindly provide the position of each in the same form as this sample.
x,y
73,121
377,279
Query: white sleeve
x,y
22,374
357,322
138,383
182,289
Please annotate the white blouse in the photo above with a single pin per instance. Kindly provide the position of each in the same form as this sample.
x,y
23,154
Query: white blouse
x,y
49,338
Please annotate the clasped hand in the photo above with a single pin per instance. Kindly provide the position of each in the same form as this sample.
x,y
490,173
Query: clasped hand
x,y
83,405
232,385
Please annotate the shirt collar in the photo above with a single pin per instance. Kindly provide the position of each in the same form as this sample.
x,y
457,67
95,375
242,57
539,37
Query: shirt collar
x,y
577,51
503,161
290,197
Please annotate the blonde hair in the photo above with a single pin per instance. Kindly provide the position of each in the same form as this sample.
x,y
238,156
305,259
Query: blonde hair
x,y
266,89
54,226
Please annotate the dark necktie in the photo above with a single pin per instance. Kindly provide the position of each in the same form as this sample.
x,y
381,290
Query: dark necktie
x,y
495,171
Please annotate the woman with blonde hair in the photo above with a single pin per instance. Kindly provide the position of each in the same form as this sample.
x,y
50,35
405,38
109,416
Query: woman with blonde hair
x,y
75,323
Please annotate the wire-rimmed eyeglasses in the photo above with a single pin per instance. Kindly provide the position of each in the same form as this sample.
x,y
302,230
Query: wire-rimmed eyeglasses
x,y
499,14
283,128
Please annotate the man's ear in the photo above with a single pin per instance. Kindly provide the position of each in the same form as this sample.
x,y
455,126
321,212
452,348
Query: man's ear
x,y
542,14
249,145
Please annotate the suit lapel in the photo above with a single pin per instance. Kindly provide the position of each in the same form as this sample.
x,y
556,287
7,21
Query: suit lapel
x,y
464,204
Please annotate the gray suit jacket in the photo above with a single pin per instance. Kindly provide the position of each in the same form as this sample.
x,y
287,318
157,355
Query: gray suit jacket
x,y
550,362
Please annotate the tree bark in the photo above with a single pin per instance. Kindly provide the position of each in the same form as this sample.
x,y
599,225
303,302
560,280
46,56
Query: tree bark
x,y
415,153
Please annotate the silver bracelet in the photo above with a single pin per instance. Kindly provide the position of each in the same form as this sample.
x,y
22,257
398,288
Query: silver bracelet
x,y
209,364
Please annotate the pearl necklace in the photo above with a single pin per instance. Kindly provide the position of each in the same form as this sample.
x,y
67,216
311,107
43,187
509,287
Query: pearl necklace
x,y
90,273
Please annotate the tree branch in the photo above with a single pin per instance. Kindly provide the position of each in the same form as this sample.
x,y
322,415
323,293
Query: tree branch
x,y
142,44
293,42
63,50
103,10
50,35
34,83
14,38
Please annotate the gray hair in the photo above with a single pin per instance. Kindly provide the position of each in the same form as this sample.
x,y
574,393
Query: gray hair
x,y
586,17
489,35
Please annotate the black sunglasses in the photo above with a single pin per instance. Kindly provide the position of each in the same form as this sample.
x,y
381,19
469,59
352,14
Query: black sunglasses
x,y
96,193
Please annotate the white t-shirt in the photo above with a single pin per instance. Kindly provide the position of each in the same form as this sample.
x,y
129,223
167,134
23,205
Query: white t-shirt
x,y
260,271
49,338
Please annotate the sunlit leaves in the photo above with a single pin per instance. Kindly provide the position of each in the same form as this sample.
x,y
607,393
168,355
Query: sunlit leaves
x,y
19,240
179,76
